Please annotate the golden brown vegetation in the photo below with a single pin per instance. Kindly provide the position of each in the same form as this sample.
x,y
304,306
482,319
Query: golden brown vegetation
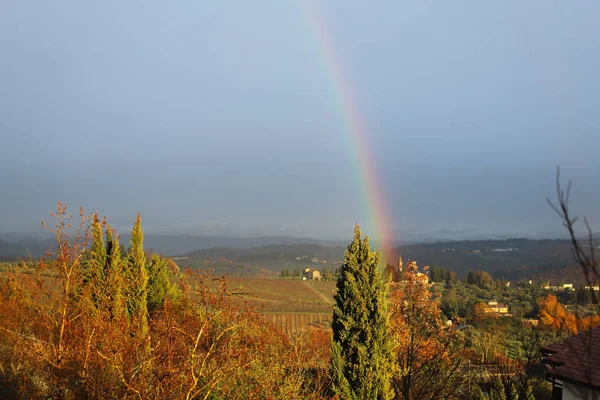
x,y
68,334
424,346
92,320
555,317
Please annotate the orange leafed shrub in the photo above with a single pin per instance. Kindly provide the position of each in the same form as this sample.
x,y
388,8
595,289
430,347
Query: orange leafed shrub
x,y
60,336
426,353
552,313
555,317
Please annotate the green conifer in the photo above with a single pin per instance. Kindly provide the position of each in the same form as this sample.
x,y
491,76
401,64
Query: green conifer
x,y
137,280
361,349
94,285
114,274
97,250
160,287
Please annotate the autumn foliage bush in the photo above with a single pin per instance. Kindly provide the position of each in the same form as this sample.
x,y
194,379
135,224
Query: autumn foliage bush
x,y
427,352
555,317
89,322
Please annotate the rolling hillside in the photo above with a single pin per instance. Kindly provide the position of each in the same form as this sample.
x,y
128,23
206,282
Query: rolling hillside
x,y
13,245
508,259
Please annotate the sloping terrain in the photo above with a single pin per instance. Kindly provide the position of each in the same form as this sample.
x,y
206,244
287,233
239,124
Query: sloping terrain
x,y
509,259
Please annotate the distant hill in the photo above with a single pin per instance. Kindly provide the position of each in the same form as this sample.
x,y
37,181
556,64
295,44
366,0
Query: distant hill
x,y
174,245
13,245
508,259
273,251
448,235
273,258
571,274
14,250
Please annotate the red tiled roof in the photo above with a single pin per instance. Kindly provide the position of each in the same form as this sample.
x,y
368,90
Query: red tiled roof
x,y
576,359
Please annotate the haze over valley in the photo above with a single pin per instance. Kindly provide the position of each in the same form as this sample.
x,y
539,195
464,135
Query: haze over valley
x,y
210,125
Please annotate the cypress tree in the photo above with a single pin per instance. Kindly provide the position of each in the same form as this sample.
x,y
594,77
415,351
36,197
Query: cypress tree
x,y
97,250
159,285
114,275
361,349
137,276
135,279
93,274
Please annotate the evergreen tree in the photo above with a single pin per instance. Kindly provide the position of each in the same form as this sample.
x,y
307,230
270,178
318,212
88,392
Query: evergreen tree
x,y
113,271
392,272
94,285
361,349
470,278
160,287
97,250
137,276
583,295
136,298
441,274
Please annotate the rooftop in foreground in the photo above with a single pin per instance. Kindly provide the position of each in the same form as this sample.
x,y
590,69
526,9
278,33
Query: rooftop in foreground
x,y
576,359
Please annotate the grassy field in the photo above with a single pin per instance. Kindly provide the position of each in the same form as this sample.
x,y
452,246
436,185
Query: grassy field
x,y
285,295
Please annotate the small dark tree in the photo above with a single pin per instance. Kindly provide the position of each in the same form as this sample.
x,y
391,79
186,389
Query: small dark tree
x,y
392,272
361,349
583,295
470,278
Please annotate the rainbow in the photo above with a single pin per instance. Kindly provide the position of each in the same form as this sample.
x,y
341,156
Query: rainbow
x,y
372,194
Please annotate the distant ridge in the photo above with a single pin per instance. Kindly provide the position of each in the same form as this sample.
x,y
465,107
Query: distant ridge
x,y
13,245
534,257
506,259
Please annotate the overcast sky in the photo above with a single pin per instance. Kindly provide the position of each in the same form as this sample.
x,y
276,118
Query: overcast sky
x,y
219,117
